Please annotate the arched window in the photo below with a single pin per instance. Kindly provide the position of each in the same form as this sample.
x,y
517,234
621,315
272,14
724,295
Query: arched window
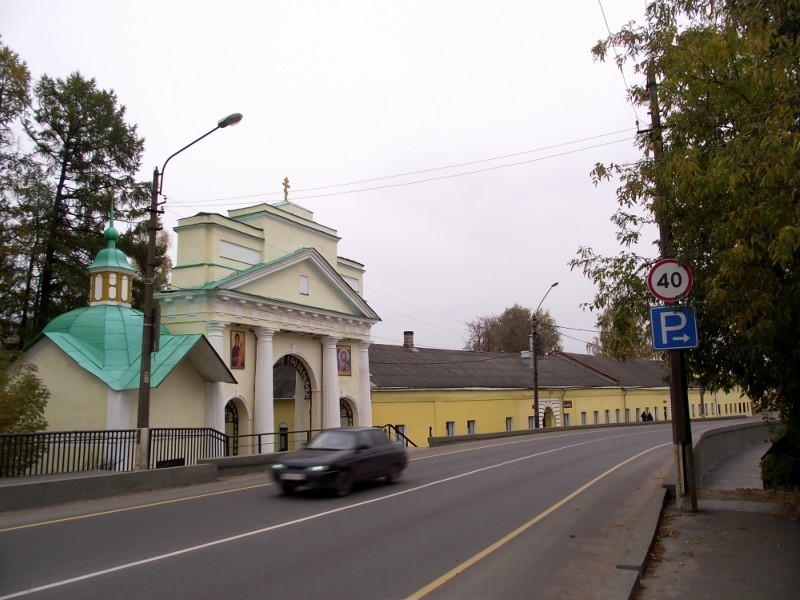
x,y
345,413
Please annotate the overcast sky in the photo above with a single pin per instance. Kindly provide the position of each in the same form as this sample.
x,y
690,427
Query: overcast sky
x,y
449,143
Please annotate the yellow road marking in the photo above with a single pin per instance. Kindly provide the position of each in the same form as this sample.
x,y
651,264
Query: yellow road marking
x,y
437,583
129,508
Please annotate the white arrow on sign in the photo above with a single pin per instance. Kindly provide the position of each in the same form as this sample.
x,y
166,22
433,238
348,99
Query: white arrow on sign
x,y
678,320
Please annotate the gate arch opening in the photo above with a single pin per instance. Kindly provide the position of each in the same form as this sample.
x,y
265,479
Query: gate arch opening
x,y
292,392
345,413
232,428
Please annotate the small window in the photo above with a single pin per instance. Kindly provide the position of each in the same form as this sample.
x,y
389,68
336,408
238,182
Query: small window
x,y
304,285
583,417
566,419
450,427
596,417
627,415
608,416
509,423
616,414
530,422
471,427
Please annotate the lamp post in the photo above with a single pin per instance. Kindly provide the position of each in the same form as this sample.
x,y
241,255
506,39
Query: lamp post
x,y
534,343
148,335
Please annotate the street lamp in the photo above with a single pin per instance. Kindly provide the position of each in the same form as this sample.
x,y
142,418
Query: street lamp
x,y
534,342
148,335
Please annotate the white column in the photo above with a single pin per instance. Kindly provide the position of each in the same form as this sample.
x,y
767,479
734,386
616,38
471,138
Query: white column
x,y
264,417
364,397
214,392
119,408
330,385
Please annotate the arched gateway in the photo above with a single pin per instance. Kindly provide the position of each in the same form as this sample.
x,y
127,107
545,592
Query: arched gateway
x,y
293,396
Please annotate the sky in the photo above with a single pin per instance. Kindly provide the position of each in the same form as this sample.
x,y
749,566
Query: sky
x,y
449,143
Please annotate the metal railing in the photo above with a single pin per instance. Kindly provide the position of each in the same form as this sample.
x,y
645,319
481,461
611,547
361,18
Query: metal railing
x,y
278,441
179,447
397,435
50,452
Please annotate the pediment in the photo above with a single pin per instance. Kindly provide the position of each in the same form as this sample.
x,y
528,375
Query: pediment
x,y
303,278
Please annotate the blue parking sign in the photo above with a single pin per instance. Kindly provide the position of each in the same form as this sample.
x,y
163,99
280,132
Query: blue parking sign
x,y
673,327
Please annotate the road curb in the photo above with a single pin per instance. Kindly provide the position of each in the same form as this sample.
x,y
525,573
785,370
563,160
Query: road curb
x,y
624,580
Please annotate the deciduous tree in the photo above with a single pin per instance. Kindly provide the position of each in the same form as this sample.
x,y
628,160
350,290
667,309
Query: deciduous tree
x,y
510,332
724,188
23,396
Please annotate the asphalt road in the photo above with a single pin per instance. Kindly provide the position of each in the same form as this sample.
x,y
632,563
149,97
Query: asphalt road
x,y
541,516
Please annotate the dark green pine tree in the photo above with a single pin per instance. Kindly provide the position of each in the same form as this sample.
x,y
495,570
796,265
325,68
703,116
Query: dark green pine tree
x,y
89,156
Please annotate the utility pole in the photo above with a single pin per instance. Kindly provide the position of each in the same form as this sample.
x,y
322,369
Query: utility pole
x,y
678,381
150,333
533,343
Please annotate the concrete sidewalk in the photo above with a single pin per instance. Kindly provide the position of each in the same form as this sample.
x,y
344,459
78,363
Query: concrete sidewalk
x,y
742,544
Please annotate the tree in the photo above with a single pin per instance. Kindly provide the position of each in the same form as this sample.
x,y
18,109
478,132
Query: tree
x,y
724,190
510,332
81,137
23,396
14,96
622,336
75,162
23,399
14,102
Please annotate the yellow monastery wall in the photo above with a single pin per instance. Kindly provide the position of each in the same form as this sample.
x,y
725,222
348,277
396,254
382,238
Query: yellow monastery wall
x,y
180,399
426,412
76,396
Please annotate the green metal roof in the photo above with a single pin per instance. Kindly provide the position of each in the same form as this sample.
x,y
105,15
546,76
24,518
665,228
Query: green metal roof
x,y
110,257
106,340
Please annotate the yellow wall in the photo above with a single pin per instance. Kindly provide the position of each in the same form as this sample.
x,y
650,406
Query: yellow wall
x,y
77,398
180,399
426,412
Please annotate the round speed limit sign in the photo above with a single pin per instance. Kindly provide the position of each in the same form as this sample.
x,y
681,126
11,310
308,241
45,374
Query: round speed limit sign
x,y
668,280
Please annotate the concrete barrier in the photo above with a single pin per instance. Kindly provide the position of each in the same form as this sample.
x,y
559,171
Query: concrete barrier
x,y
230,466
718,444
47,490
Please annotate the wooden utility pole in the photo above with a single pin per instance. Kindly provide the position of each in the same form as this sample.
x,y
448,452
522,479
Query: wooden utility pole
x,y
678,381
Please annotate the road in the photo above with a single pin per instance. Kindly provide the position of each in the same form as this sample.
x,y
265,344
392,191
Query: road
x,y
540,516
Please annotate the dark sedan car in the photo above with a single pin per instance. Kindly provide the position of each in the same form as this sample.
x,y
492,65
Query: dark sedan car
x,y
338,458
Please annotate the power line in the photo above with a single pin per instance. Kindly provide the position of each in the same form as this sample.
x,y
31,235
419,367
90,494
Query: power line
x,y
618,62
435,169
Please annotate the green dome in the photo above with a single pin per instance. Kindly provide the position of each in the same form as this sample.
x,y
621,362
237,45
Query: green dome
x,y
111,258
110,334
106,340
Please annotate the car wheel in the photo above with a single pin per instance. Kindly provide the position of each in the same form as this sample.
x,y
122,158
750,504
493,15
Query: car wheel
x,y
394,474
343,483
287,488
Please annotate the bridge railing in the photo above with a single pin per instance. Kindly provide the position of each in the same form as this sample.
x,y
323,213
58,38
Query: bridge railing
x,y
48,452
52,452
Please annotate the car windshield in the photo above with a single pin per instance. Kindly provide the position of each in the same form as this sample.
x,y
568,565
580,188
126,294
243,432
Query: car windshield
x,y
333,440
